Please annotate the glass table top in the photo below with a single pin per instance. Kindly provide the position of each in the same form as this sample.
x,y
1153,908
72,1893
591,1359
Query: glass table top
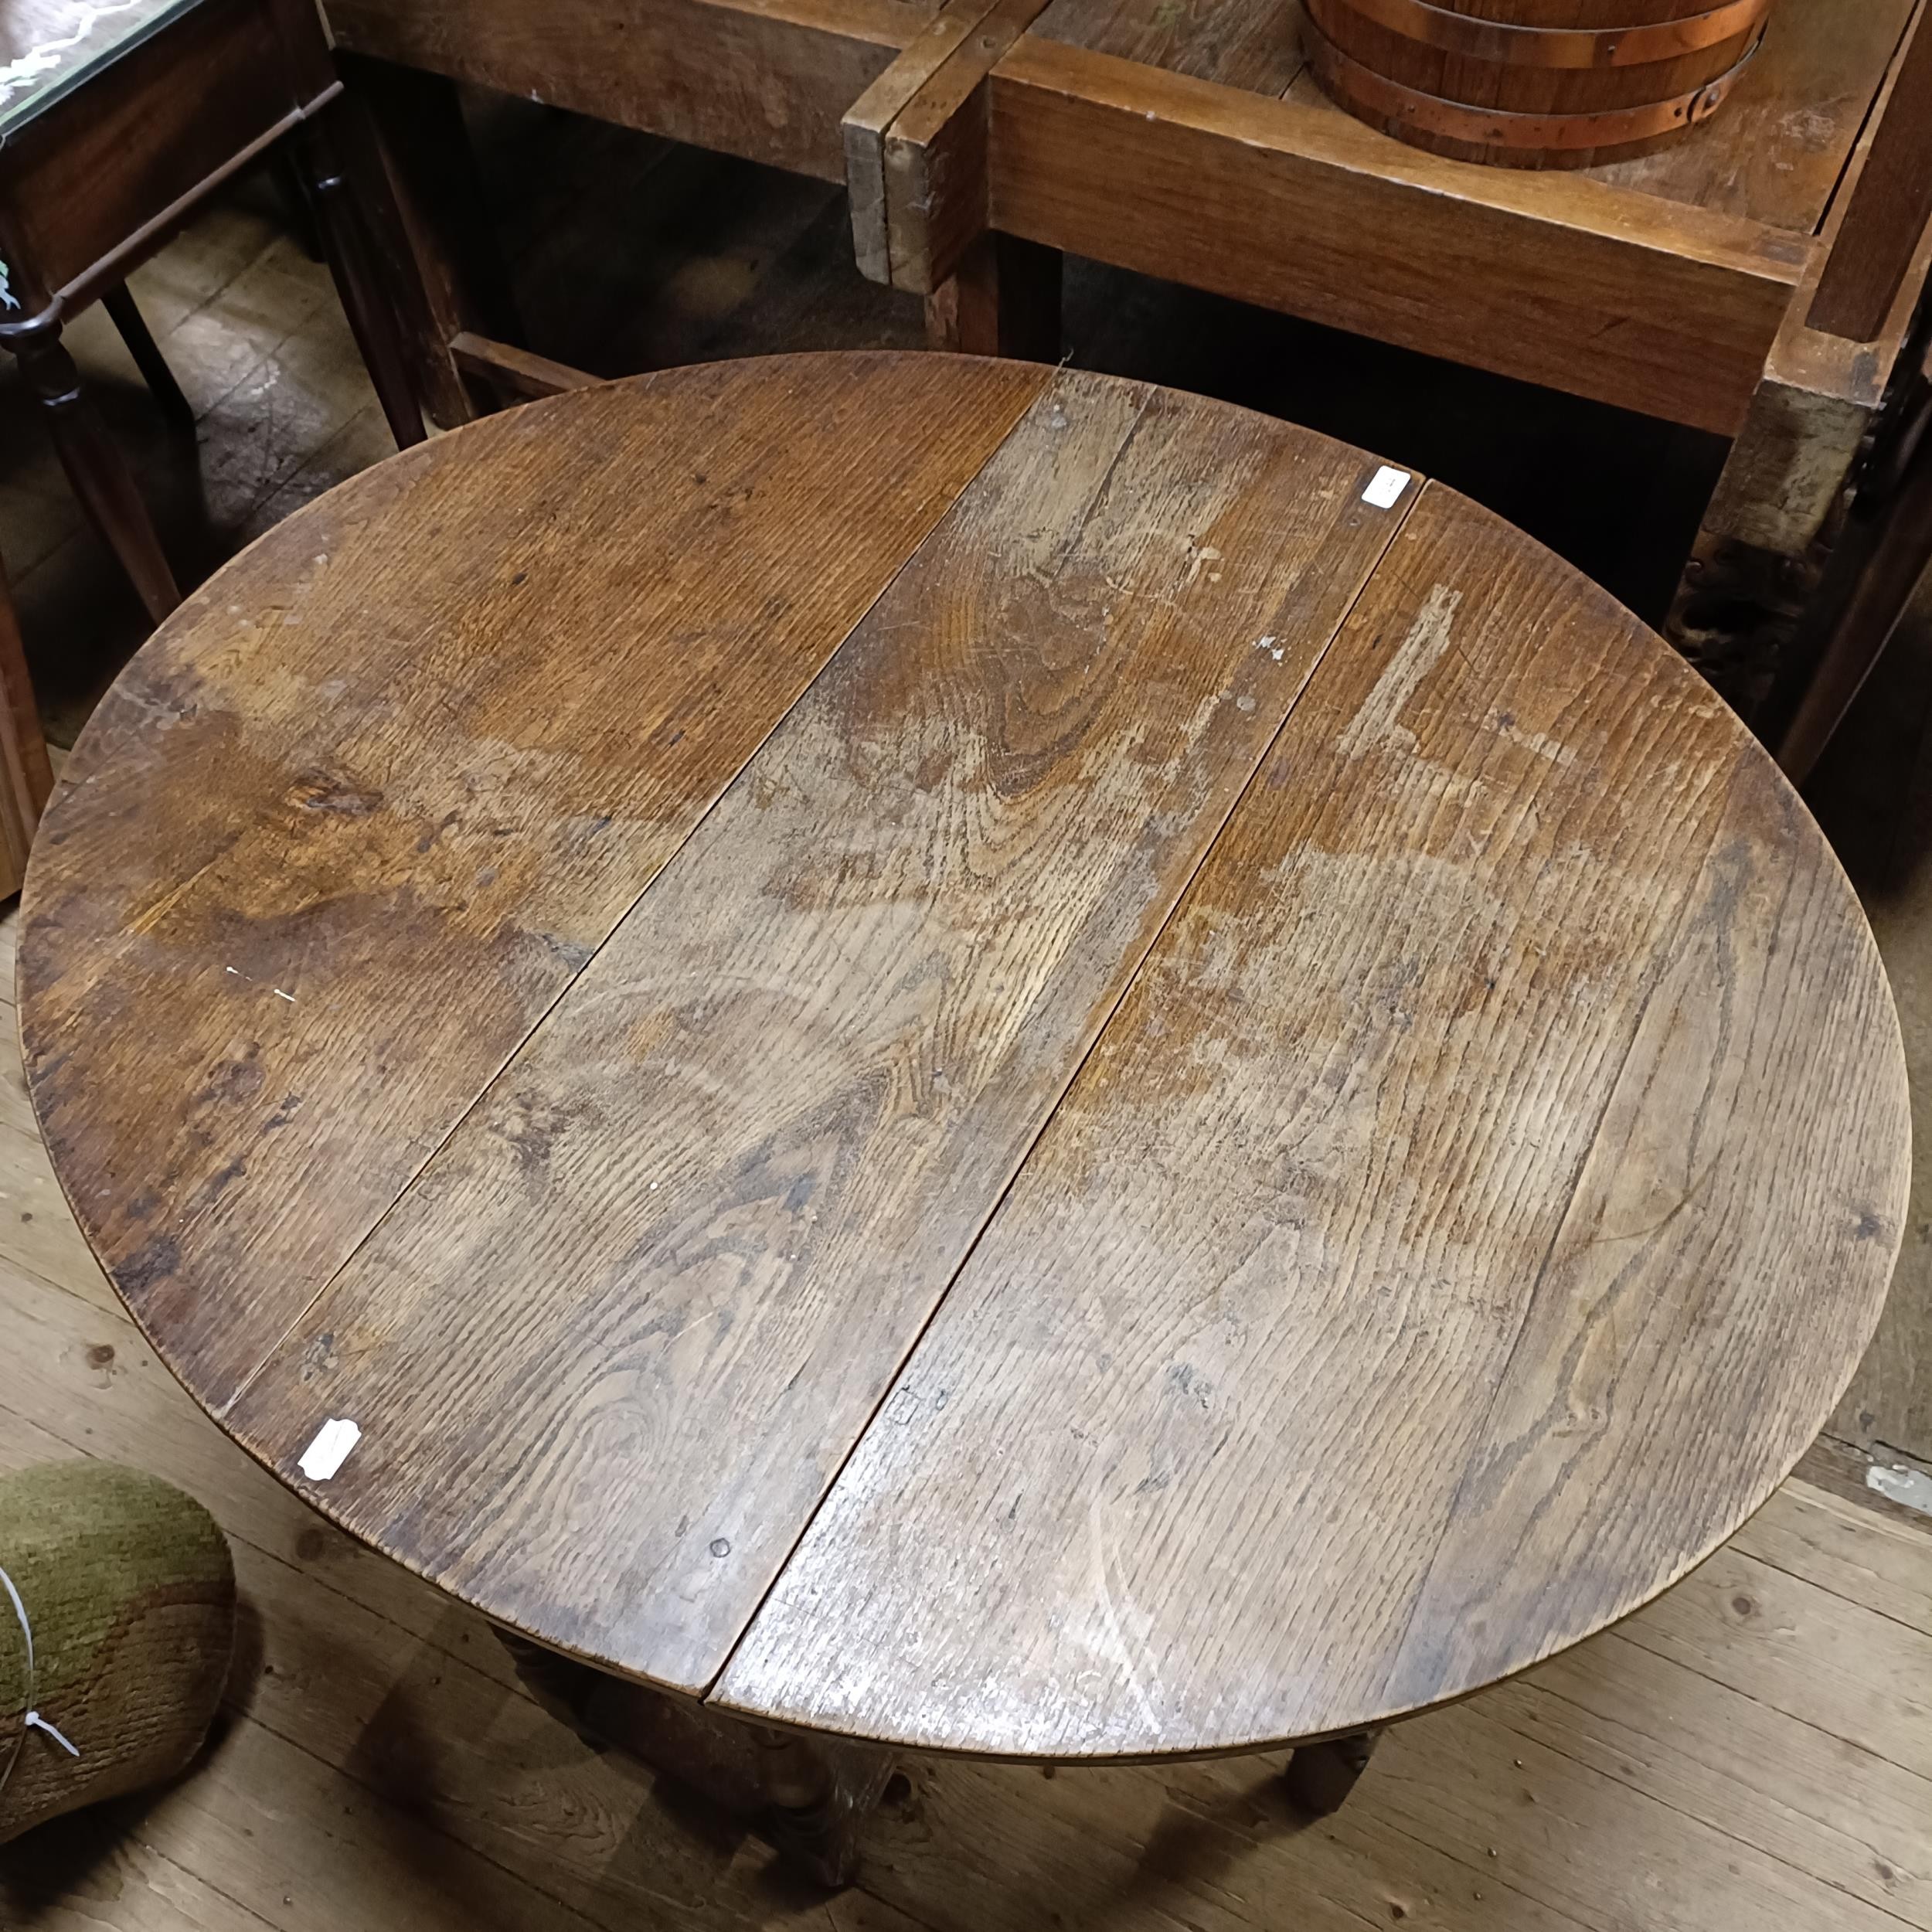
x,y
49,47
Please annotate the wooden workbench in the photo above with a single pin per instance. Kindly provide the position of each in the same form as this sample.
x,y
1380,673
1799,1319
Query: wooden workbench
x,y
1184,139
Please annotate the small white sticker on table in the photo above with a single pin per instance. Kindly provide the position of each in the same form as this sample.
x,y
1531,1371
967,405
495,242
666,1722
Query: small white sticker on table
x,y
326,1454
1386,487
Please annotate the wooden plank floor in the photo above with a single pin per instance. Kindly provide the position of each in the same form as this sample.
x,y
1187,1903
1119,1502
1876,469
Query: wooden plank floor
x,y
1753,1752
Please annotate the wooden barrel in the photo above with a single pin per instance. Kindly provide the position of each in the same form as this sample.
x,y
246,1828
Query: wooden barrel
x,y
1533,84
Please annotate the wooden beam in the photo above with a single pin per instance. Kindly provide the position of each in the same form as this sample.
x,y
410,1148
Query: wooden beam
x,y
1602,291
916,146
866,123
515,372
1872,256
768,79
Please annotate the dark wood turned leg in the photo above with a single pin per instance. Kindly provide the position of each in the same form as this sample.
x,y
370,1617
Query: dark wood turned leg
x,y
119,303
364,298
96,469
810,1801
1004,299
811,1820
1320,1776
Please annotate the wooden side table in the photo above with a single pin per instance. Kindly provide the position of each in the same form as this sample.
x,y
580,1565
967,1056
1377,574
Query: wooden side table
x,y
116,123
969,1058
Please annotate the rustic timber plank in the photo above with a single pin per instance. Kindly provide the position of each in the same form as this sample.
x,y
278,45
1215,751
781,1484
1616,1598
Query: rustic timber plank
x,y
867,120
1777,151
1248,1239
1888,208
766,81
934,156
393,1699
1652,307
516,371
1251,44
300,931
932,883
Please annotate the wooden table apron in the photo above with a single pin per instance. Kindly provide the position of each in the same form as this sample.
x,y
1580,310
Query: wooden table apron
x,y
968,1056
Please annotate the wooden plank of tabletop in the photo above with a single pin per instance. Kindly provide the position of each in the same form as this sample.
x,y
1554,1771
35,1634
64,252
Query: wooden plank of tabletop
x,y
1252,44
1604,292
1271,1319
359,814
608,1353
768,79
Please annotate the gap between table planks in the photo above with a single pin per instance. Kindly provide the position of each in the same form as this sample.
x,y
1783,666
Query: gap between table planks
x,y
1747,1752
1110,772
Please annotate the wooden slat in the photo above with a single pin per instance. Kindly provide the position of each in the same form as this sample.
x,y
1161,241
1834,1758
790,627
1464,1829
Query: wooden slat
x,y
516,371
696,1225
766,81
1320,1315
1666,309
352,928
411,1698
1889,209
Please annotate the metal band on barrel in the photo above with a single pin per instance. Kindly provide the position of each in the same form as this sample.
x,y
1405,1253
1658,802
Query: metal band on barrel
x,y
1516,47
1494,127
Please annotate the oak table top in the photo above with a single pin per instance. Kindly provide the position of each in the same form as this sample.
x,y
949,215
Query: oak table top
x,y
978,1056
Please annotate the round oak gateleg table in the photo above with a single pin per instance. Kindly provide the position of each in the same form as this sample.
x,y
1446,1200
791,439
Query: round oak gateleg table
x,y
929,1054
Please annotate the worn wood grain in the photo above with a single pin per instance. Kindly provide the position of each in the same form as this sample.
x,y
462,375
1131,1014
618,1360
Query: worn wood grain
x,y
1655,308
931,884
769,82
1684,1764
359,936
1308,1155
866,122
934,156
1252,44
1888,210
1777,151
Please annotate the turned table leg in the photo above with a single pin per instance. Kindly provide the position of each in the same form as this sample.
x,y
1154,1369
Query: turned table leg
x,y
812,1820
811,1801
96,467
1320,1776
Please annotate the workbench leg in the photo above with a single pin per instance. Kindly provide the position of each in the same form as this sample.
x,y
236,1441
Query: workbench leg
x,y
1880,567
1004,299
96,467
437,245
1320,1776
365,299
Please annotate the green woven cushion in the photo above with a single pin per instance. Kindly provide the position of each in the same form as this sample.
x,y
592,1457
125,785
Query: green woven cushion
x,y
129,1590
